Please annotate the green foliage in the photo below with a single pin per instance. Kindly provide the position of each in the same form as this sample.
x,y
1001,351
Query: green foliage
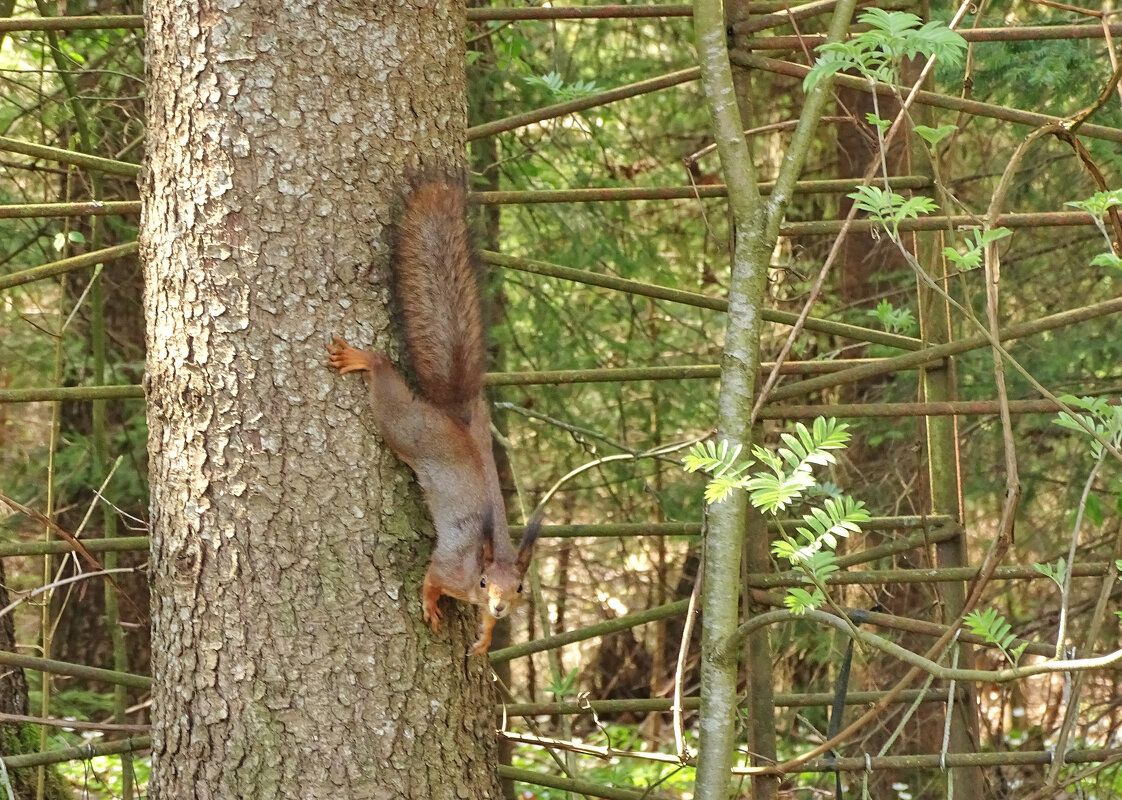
x,y
557,324
786,478
720,460
837,517
799,600
790,466
1054,573
804,450
563,686
63,239
892,319
879,123
620,772
775,491
878,53
934,135
1107,260
100,776
1097,205
889,208
811,549
1100,415
990,625
554,84
975,250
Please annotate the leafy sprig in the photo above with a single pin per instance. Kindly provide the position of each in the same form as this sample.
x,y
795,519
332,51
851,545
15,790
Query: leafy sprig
x,y
975,251
889,208
1101,416
720,461
879,52
1054,573
1097,205
991,626
780,479
892,319
552,83
788,469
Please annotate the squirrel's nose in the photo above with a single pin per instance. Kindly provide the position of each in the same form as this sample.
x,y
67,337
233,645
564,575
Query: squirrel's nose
x,y
497,609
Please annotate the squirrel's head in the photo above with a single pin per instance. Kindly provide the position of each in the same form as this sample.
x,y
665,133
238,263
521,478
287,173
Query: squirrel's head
x,y
501,581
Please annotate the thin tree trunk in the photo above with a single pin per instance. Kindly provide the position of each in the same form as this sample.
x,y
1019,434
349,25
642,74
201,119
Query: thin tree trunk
x,y
288,545
19,738
756,224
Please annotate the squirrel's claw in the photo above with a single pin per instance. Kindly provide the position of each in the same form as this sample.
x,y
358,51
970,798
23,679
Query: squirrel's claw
x,y
484,642
433,619
430,595
343,357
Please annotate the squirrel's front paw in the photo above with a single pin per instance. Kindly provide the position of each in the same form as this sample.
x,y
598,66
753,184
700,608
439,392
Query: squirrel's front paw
x,y
431,615
485,631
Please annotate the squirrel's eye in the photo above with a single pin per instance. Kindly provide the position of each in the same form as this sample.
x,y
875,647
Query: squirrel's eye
x,y
482,583
520,587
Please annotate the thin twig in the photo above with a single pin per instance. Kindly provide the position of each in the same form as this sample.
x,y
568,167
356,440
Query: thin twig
x,y
680,745
64,582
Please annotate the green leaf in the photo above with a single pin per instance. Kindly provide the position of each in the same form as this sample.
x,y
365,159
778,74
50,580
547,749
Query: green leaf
x,y
563,687
822,69
882,124
892,319
1098,203
774,493
800,600
895,23
914,206
934,135
971,259
1094,509
984,236
991,626
1107,260
878,52
823,564
1055,573
938,40
786,549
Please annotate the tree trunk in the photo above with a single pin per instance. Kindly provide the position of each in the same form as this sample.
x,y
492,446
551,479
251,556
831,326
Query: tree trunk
x,y
288,545
17,738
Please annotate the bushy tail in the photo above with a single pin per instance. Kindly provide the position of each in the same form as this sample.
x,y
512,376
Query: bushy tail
x,y
438,294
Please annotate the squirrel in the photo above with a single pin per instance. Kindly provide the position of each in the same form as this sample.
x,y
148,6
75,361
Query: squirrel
x,y
444,433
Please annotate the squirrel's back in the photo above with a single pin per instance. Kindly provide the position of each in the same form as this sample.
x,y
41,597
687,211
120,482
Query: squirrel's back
x,y
438,294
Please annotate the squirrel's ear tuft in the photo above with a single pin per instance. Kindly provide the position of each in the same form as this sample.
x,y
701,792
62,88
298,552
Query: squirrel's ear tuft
x,y
526,548
487,536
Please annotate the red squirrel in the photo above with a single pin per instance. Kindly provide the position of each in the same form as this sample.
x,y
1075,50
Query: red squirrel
x,y
444,434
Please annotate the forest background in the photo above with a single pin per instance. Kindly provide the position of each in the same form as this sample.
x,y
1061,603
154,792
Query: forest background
x,y
84,90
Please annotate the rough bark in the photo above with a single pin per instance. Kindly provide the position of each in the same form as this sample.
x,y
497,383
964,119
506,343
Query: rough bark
x,y
13,700
288,545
